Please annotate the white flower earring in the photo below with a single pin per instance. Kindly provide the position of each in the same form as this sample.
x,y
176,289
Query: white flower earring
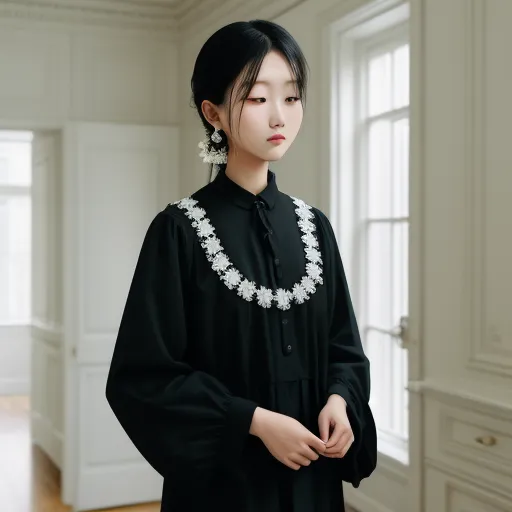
x,y
211,155
216,136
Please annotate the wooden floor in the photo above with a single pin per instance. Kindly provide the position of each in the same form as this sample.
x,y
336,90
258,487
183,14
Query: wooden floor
x,y
29,481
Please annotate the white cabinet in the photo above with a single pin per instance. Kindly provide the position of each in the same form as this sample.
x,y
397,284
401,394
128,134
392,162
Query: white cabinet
x,y
470,440
450,494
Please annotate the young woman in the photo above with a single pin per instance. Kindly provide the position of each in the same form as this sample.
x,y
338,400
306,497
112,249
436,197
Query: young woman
x,y
238,371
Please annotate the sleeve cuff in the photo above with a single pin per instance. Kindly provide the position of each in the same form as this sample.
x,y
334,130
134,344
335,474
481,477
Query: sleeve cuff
x,y
238,424
356,421
338,388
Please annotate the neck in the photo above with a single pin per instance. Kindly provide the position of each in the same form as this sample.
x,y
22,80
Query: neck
x,y
247,171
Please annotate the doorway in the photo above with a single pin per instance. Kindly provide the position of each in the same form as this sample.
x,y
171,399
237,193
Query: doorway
x,y
60,443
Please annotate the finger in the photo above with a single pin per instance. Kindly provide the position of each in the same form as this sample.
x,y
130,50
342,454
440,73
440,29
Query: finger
x,y
339,430
309,453
347,446
317,444
343,440
324,426
300,459
292,465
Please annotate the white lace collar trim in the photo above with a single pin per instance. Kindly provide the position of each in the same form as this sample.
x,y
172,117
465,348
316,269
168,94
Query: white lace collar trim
x,y
235,280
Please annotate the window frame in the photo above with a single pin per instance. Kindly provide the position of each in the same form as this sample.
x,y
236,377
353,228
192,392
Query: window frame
x,y
351,42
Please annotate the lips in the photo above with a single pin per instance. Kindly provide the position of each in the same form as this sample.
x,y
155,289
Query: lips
x,y
277,136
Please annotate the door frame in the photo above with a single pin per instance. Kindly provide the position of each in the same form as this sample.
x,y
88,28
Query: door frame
x,y
69,441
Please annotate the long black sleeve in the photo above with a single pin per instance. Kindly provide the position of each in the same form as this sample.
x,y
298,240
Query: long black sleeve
x,y
184,422
349,368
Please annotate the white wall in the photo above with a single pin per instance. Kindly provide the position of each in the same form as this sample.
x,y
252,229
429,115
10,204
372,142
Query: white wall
x,y
52,73
462,182
460,174
15,360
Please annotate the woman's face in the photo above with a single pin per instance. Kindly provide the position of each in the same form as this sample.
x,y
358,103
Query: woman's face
x,y
272,108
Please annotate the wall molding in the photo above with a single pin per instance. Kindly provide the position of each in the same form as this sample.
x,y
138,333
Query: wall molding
x,y
461,479
168,16
485,352
138,14
47,437
362,502
470,395
49,333
14,387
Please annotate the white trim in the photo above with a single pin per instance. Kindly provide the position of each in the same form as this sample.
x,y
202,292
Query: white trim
x,y
393,447
235,280
362,502
15,136
15,190
174,19
346,41
47,437
14,387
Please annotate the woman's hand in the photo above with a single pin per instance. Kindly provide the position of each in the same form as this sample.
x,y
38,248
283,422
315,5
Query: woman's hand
x,y
334,414
286,439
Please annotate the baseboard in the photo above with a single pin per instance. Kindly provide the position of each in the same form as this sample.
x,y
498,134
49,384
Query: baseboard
x,y
47,438
11,387
105,487
361,502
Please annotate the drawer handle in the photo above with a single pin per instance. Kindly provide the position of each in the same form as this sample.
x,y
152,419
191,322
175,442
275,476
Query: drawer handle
x,y
486,440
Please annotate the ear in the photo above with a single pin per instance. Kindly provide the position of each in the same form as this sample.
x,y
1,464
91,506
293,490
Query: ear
x,y
211,113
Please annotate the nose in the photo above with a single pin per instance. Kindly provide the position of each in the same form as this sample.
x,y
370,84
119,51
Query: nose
x,y
276,116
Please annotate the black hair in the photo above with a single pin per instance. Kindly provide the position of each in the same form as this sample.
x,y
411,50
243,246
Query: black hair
x,y
238,50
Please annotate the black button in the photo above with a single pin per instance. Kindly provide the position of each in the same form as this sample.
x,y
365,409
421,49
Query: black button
x,y
289,349
285,321
276,261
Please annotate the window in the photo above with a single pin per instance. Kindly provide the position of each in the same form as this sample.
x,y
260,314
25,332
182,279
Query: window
x,y
15,227
369,202
383,242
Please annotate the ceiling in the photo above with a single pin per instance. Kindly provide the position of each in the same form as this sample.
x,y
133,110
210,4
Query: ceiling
x,y
172,17
153,14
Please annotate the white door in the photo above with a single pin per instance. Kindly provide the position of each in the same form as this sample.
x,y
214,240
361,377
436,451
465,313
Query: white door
x,y
116,179
47,388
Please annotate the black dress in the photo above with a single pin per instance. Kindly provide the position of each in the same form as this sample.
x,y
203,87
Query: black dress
x,y
239,301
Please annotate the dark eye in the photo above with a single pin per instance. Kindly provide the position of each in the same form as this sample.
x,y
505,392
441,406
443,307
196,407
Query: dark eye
x,y
257,100
293,99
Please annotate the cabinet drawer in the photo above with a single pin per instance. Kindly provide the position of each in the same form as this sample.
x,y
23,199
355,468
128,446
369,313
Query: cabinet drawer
x,y
477,444
444,493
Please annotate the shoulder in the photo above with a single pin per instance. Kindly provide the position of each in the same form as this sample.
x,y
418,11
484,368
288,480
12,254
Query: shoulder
x,y
173,221
311,213
303,205
187,214
185,209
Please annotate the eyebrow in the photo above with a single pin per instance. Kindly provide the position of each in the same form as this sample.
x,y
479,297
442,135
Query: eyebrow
x,y
265,82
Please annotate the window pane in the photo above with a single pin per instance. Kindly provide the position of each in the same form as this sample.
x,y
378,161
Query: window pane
x,y
400,271
401,77
399,412
379,285
379,170
379,84
15,259
15,163
401,168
